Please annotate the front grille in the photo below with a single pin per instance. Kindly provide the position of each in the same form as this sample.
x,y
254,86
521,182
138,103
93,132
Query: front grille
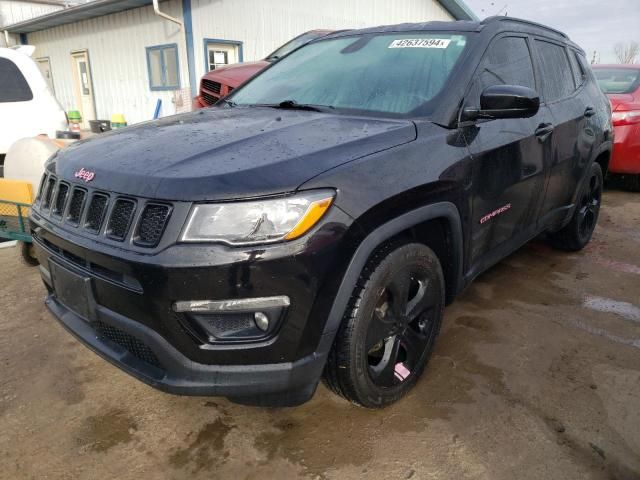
x,y
130,343
76,206
43,182
51,184
61,199
213,87
90,210
209,99
152,222
95,212
120,219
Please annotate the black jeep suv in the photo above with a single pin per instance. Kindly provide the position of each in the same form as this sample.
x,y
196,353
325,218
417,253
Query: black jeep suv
x,y
316,222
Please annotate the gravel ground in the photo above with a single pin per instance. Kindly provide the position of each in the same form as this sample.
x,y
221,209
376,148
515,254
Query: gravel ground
x,y
536,375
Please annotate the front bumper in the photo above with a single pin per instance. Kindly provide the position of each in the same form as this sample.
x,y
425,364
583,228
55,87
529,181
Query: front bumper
x,y
295,382
129,318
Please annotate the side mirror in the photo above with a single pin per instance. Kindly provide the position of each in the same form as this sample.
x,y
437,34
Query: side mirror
x,y
504,101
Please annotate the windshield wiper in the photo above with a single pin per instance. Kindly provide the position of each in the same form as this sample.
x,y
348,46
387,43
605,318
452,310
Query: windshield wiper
x,y
228,102
293,105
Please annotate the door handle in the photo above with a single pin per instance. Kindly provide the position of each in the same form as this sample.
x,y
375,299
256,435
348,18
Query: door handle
x,y
543,131
589,112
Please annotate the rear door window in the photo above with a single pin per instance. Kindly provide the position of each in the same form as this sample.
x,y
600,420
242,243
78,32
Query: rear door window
x,y
579,76
13,85
556,72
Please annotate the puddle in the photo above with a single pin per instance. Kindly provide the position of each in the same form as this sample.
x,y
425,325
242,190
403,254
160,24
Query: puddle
x,y
206,450
618,266
607,305
604,333
103,432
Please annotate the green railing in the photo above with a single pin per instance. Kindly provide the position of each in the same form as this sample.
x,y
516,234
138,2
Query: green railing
x,y
13,220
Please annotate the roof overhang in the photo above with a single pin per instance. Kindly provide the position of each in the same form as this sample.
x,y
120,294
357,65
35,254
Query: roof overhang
x,y
77,13
458,9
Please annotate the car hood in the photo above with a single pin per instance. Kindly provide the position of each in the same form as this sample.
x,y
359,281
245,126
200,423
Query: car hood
x,y
234,75
219,153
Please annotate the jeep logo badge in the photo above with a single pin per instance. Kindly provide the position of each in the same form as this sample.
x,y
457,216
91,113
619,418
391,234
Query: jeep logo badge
x,y
85,175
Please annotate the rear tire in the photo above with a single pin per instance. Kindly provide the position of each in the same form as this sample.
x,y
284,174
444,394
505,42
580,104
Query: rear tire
x,y
389,328
577,233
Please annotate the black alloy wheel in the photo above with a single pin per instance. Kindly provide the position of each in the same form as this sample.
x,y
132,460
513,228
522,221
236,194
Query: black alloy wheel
x,y
402,326
389,327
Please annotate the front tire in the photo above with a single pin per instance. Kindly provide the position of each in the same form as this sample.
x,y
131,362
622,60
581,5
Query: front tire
x,y
578,232
389,328
28,254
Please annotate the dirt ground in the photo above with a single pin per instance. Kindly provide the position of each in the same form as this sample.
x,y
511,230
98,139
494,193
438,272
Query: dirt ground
x,y
536,375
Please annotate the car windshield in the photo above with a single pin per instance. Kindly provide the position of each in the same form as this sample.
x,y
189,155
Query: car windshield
x,y
618,80
377,73
291,45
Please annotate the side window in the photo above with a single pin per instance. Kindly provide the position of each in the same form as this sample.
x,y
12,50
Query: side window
x,y
13,86
557,76
507,62
579,76
163,67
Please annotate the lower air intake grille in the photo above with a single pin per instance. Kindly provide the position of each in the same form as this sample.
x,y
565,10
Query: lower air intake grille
x,y
130,343
95,213
120,219
152,222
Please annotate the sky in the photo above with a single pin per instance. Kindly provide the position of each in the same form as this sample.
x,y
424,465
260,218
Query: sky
x,y
592,24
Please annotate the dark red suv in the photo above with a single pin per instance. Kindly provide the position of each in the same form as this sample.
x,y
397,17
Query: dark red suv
x,y
221,81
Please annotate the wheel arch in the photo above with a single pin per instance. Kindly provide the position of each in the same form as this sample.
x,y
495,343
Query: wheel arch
x,y
603,156
408,224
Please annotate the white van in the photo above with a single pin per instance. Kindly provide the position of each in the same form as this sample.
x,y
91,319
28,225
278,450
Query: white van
x,y
27,106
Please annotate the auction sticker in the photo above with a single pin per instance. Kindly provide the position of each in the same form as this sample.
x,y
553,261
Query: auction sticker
x,y
420,43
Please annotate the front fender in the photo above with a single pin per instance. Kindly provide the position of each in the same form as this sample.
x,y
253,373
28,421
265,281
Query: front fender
x,y
442,210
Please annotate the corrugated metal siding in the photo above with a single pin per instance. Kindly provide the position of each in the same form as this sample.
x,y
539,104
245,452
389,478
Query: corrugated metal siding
x,y
116,45
15,11
263,26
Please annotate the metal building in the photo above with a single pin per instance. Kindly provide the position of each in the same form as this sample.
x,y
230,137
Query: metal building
x,y
121,56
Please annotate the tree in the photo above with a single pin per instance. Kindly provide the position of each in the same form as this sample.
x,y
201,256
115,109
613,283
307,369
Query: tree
x,y
627,53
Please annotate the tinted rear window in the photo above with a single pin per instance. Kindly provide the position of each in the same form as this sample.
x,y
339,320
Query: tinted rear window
x,y
618,80
13,86
557,76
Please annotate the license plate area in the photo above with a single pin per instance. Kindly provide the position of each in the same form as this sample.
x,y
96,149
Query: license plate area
x,y
72,290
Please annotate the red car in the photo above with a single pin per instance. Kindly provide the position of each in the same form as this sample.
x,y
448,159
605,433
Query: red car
x,y
621,83
221,81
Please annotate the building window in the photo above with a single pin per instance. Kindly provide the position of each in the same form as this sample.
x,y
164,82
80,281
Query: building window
x,y
220,53
163,67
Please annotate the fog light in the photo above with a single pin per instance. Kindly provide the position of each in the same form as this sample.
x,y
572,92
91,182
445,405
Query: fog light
x,y
262,321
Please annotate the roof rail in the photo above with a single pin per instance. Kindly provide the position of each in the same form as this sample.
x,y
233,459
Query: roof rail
x,y
523,21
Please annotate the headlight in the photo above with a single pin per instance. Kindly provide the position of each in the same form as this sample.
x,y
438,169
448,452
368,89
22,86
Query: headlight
x,y
257,221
